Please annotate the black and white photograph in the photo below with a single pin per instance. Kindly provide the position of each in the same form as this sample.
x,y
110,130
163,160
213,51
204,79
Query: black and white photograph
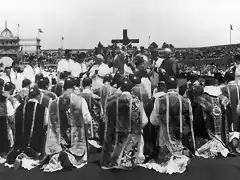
x,y
119,90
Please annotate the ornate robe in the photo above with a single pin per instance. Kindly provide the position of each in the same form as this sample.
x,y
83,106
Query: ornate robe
x,y
46,97
139,91
66,136
231,91
173,114
104,92
122,138
96,112
58,90
30,137
212,125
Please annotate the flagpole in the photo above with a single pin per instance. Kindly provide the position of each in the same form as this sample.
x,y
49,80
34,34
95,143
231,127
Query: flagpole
x,y
230,35
62,43
38,33
18,30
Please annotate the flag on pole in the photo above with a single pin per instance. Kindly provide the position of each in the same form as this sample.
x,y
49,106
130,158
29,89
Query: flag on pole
x,y
62,38
231,27
39,30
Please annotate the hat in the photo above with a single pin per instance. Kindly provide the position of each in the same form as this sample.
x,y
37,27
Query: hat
x,y
107,78
171,83
42,83
68,83
135,79
126,85
229,76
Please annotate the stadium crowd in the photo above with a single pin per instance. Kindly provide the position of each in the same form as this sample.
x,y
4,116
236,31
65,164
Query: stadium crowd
x,y
130,107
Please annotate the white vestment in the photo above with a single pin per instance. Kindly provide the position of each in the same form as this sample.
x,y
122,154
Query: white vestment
x,y
78,68
29,73
103,69
65,65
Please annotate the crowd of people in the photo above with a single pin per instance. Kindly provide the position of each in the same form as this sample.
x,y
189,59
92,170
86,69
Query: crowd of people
x,y
208,53
201,53
131,109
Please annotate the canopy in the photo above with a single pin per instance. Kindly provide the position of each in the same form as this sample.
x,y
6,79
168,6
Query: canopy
x,y
6,61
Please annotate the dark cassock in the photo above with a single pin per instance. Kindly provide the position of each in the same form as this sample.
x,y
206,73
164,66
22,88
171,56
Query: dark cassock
x,y
212,126
172,114
169,63
6,126
31,119
123,141
96,111
66,136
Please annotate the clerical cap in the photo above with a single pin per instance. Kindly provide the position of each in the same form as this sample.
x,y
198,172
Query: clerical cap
x,y
171,83
107,78
229,76
68,83
126,85
42,83
135,78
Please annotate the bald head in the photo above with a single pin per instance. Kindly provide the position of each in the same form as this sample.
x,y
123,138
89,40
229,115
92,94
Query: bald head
x,y
167,52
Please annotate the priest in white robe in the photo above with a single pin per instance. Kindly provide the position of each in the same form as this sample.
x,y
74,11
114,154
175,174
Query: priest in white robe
x,y
98,71
65,64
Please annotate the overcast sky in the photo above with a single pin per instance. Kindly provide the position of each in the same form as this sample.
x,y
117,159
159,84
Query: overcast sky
x,y
83,23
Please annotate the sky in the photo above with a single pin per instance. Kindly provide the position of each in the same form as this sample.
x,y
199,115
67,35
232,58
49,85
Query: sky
x,y
83,23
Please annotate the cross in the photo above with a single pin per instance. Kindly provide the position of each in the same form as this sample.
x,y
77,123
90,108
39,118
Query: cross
x,y
125,40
